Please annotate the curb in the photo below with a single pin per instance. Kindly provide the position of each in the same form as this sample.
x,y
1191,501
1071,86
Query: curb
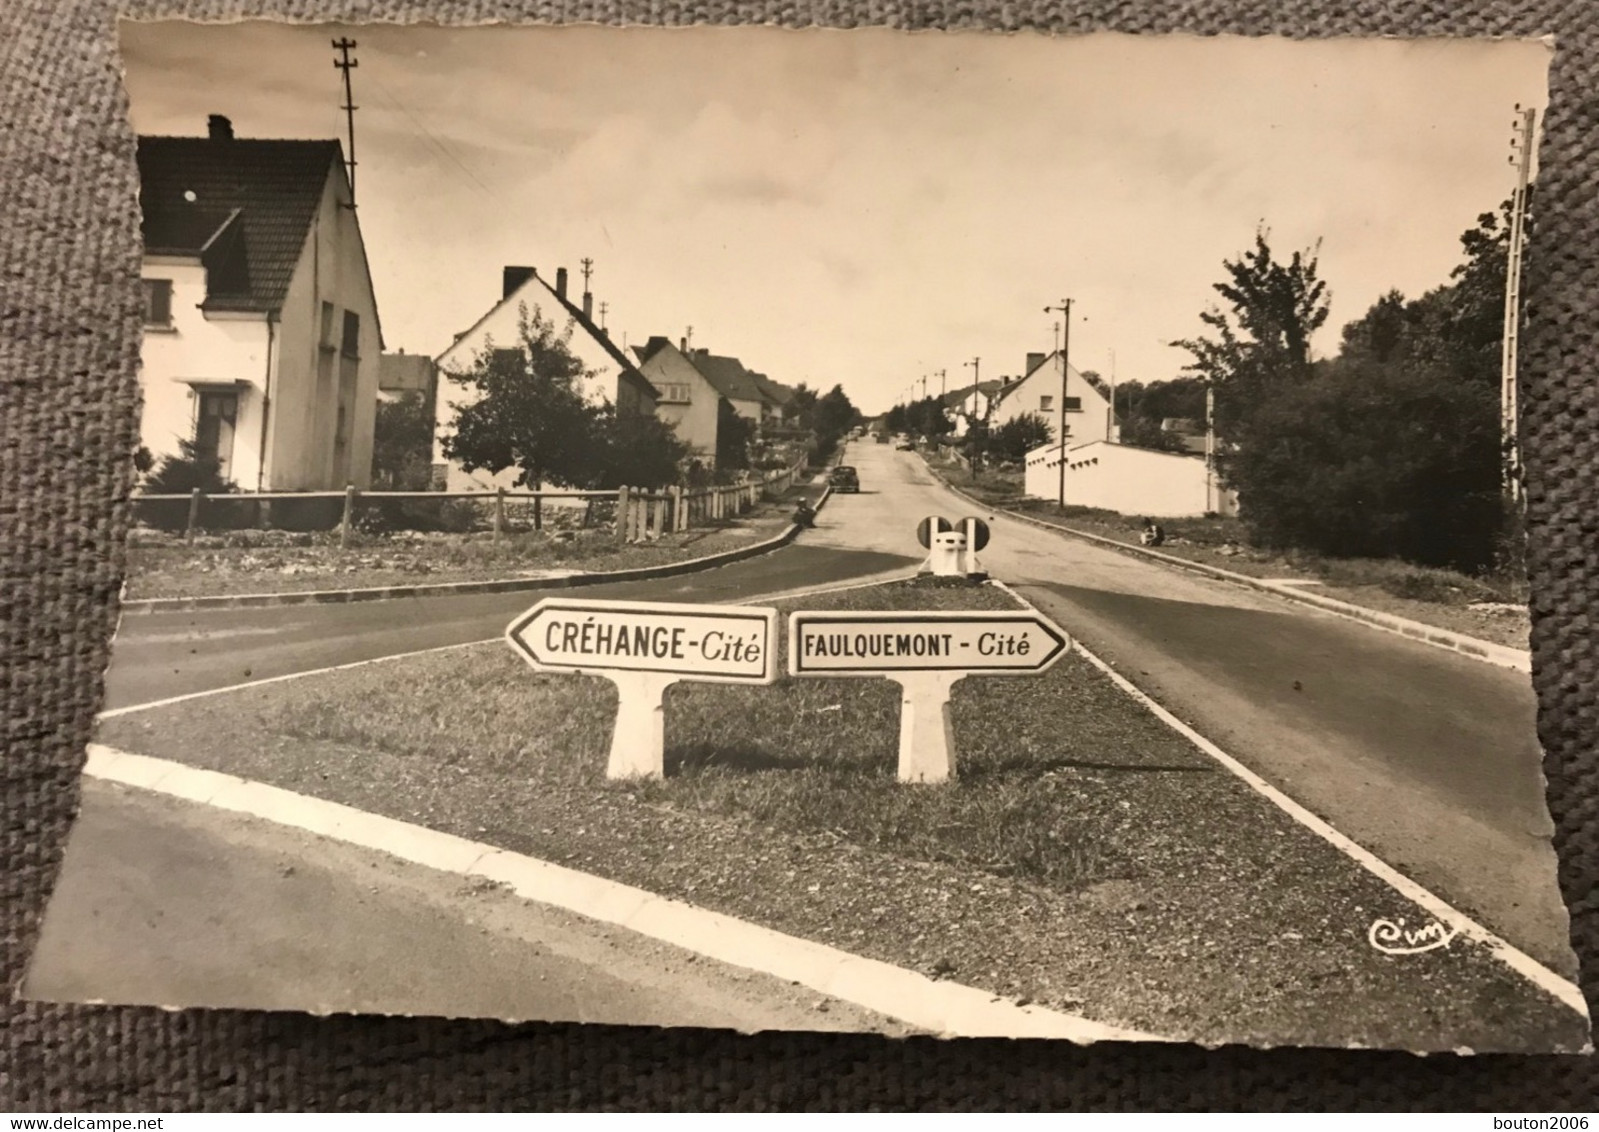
x,y
444,589
1502,655
939,1007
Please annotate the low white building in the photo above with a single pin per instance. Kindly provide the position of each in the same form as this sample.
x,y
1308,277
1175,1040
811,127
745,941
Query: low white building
x,y
1128,480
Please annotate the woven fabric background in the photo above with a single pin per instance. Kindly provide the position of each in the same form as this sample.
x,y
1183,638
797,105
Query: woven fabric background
x,y
69,343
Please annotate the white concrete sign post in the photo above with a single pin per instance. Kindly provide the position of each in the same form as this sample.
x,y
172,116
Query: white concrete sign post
x,y
643,648
925,653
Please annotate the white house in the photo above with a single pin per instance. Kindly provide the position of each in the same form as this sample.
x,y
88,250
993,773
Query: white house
x,y
612,376
261,337
1082,415
970,403
1129,480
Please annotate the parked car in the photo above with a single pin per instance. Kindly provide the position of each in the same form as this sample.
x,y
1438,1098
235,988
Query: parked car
x,y
881,439
906,446
844,478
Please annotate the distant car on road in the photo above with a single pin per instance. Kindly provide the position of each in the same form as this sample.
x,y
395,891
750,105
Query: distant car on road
x,y
881,439
906,446
844,478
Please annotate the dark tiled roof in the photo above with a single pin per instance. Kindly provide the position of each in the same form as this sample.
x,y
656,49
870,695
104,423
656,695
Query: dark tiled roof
x,y
254,201
654,346
625,367
956,396
727,376
774,391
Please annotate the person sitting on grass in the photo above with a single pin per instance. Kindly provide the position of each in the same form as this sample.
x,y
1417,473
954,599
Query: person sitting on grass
x,y
1152,535
805,514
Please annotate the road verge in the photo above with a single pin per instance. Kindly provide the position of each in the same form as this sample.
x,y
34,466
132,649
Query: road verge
x,y
440,589
1088,858
1504,656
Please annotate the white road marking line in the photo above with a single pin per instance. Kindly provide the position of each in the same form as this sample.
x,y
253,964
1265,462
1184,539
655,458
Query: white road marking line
x,y
805,591
264,681
1562,989
940,1007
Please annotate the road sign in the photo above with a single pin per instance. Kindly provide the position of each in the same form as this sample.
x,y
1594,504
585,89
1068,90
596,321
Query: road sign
x,y
882,644
928,527
925,653
643,648
976,532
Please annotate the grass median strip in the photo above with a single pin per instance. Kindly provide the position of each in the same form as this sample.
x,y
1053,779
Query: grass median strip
x,y
1088,858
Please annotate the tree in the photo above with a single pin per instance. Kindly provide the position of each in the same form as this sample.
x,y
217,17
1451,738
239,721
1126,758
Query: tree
x,y
1374,460
1262,339
530,412
402,443
733,436
1018,436
638,450
188,470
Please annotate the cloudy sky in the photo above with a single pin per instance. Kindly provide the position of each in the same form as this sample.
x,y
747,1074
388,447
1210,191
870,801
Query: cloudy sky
x,y
869,207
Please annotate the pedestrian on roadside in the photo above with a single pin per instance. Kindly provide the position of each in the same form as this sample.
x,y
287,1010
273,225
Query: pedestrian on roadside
x,y
1152,534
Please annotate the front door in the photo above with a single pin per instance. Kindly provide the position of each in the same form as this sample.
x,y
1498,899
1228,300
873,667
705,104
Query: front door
x,y
213,434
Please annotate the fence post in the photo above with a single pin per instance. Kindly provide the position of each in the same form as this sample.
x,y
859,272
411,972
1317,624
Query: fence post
x,y
658,518
678,518
194,516
621,513
499,512
349,515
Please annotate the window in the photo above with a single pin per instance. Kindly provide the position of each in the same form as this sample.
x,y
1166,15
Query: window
x,y
326,339
158,302
1046,404
1074,404
352,335
674,392
213,430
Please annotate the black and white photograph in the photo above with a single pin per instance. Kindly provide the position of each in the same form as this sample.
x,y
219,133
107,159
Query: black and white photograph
x,y
948,533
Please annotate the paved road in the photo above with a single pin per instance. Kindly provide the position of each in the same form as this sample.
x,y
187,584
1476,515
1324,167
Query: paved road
x,y
1427,758
165,902
157,655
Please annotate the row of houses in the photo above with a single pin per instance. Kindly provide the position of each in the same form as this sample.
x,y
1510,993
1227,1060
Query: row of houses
x,y
263,351
684,386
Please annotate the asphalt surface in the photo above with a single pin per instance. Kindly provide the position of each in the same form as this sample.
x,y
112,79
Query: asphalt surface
x,y
157,655
1427,758
168,903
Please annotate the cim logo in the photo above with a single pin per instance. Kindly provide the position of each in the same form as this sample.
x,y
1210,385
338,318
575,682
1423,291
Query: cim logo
x,y
1393,938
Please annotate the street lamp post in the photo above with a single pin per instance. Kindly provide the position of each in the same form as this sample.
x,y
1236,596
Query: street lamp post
x,y
1065,310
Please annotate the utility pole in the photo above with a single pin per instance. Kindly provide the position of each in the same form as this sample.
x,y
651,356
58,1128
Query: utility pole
x,y
603,308
1110,425
688,339
1509,409
344,46
588,270
1065,310
1210,448
941,383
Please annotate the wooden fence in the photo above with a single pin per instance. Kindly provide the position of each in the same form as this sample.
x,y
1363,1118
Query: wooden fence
x,y
639,515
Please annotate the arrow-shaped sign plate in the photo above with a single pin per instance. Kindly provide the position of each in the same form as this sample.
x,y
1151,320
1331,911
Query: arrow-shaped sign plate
x,y
889,643
718,643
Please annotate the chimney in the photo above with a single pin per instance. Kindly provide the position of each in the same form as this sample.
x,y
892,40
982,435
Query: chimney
x,y
219,128
682,345
588,306
512,279
1034,361
560,282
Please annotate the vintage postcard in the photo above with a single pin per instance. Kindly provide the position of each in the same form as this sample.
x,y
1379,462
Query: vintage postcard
x,y
950,534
